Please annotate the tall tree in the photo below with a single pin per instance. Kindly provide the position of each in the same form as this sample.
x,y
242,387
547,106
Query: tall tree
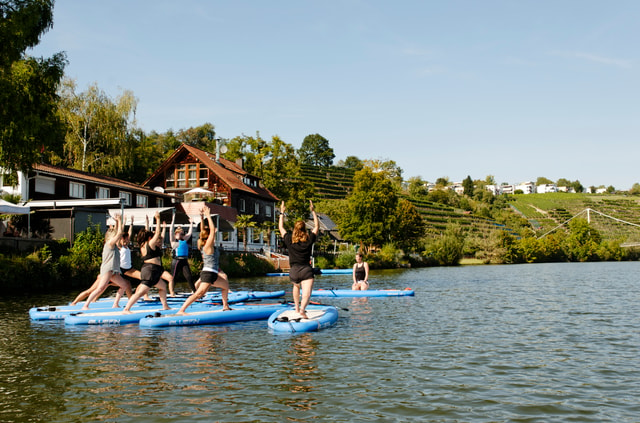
x,y
315,151
371,209
202,137
243,223
29,123
351,162
99,135
467,184
408,226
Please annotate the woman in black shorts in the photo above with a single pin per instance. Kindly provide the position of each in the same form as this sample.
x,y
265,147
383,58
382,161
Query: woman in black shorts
x,y
152,269
299,244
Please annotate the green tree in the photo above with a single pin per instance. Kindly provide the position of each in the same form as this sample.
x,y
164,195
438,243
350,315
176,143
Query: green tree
x,y
389,168
243,223
351,162
635,189
315,151
447,250
371,209
583,241
202,137
417,188
29,123
408,226
543,181
100,130
443,182
467,184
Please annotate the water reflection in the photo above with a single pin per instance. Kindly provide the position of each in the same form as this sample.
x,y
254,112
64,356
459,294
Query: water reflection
x,y
301,371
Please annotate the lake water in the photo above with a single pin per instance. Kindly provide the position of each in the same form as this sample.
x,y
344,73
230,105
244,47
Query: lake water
x,y
521,343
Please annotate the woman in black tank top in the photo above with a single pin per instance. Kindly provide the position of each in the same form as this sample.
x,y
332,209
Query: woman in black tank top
x,y
299,245
152,269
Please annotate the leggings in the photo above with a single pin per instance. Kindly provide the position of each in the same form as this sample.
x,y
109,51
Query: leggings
x,y
178,265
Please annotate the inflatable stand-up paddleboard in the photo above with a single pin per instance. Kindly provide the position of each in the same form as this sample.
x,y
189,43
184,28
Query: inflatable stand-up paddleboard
x,y
112,317
289,321
238,313
209,297
366,293
260,295
105,305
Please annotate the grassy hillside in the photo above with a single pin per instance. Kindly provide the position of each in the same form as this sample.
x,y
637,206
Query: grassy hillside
x,y
543,211
547,211
331,183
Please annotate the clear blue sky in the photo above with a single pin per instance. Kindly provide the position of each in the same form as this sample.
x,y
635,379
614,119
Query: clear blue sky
x,y
516,89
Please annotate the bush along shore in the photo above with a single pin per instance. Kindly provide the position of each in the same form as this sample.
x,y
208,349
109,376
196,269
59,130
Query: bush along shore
x,y
59,267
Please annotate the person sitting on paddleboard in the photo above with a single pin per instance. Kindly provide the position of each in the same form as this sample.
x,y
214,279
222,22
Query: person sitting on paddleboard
x,y
211,273
180,251
152,269
360,274
299,244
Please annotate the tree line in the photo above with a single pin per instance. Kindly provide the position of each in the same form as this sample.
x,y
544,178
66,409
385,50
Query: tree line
x,y
46,118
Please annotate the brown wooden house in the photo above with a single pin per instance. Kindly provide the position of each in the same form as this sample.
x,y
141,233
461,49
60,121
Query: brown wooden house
x,y
228,189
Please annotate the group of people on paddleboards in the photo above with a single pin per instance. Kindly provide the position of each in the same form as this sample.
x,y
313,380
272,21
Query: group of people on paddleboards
x,y
116,262
117,269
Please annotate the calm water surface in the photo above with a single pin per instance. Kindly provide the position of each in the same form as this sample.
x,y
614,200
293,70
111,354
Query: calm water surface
x,y
525,343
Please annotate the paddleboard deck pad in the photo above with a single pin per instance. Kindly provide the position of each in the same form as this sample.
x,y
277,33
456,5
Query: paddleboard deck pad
x,y
289,321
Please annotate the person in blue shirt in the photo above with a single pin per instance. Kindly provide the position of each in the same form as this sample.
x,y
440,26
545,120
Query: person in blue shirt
x,y
180,253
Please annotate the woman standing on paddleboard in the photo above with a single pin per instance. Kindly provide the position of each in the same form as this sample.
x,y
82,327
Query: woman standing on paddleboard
x,y
299,244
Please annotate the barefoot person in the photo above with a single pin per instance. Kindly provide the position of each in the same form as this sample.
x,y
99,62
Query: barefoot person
x,y
110,268
151,271
360,274
299,243
211,273
180,252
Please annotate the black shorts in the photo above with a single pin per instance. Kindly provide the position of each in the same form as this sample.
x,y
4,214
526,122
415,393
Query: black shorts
x,y
300,272
208,277
150,274
131,279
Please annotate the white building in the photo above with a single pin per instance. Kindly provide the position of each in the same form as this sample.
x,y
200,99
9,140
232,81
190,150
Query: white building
x,y
545,188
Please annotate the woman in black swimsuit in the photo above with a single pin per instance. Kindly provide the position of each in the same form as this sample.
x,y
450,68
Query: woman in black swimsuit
x,y
360,274
299,244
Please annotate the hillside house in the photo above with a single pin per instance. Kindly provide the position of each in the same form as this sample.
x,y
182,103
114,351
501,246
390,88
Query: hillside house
x,y
225,187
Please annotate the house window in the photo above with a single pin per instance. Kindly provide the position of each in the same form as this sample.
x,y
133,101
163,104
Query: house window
x,y
160,202
193,175
77,190
170,180
204,177
257,208
267,210
103,192
225,236
257,236
127,197
45,185
241,204
142,201
181,176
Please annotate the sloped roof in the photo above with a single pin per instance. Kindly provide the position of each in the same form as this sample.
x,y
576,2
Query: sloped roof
x,y
95,178
229,172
